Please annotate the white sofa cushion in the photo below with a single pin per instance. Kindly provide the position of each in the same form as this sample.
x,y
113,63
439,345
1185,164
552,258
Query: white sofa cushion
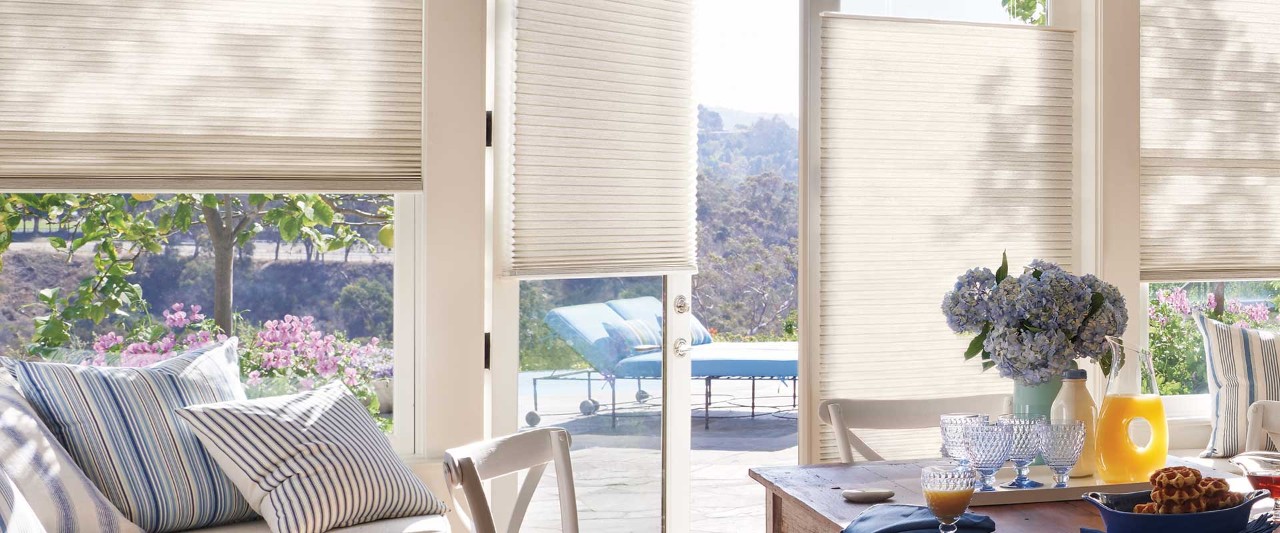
x,y
410,524
40,481
310,462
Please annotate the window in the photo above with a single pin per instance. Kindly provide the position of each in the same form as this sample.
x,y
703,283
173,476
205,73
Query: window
x,y
305,281
1175,342
1035,12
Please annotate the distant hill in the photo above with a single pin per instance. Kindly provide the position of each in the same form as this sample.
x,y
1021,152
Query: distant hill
x,y
733,117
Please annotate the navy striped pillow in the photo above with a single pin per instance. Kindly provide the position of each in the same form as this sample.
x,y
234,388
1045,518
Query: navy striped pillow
x,y
1243,366
121,427
311,462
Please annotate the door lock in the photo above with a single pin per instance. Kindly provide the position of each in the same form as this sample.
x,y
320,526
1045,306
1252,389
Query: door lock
x,y
682,304
682,347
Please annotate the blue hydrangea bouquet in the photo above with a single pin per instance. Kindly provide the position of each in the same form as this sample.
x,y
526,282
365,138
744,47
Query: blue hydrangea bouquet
x,y
1034,326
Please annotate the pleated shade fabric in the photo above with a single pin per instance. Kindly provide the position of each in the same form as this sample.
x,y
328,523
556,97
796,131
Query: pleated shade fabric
x,y
211,95
1210,79
603,139
942,145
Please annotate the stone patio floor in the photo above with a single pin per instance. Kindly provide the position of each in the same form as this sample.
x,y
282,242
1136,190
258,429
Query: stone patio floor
x,y
617,470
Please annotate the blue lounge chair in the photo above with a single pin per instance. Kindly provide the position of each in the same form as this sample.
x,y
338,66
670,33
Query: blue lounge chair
x,y
583,327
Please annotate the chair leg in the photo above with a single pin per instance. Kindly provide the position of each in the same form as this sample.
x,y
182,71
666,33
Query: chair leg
x,y
793,393
753,397
535,394
613,403
706,411
589,385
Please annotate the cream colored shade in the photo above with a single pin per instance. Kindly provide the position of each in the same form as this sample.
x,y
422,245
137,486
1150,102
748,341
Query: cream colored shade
x,y
1210,79
942,146
188,95
603,166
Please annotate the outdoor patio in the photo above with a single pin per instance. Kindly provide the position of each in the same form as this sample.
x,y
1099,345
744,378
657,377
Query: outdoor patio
x,y
618,471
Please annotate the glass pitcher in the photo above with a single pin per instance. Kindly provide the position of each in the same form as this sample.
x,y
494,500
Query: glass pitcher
x,y
1263,471
1132,395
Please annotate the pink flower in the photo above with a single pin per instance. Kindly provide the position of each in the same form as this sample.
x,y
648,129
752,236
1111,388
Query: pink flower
x,y
350,377
255,378
306,384
104,343
1211,302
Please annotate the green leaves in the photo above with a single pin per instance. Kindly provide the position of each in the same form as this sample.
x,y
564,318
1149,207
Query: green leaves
x,y
1003,271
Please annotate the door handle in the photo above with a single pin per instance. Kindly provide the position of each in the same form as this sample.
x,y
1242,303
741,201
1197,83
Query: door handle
x,y
682,347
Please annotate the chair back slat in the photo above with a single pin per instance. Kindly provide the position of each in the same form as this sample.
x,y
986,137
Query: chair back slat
x,y
851,414
468,467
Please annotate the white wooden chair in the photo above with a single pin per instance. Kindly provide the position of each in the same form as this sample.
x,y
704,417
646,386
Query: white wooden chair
x,y
850,414
1263,420
468,467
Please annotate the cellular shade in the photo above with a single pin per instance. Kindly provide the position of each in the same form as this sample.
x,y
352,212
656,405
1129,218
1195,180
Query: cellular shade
x,y
1210,80
224,95
942,145
603,143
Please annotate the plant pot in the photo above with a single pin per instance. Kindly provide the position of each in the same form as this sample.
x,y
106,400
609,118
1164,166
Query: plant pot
x,y
385,392
1035,399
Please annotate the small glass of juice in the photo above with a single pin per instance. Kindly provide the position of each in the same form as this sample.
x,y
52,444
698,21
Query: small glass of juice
x,y
947,491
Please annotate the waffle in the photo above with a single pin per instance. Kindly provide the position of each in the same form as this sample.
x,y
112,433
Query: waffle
x,y
1176,476
1182,490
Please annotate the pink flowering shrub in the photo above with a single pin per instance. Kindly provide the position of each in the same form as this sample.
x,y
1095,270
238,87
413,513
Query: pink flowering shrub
x,y
278,357
1177,347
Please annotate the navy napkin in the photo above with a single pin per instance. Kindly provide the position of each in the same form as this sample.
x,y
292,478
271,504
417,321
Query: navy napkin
x,y
897,518
1262,524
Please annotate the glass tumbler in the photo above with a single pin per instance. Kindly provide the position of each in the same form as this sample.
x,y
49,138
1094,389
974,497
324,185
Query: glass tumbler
x,y
952,426
1060,445
947,491
1026,445
987,446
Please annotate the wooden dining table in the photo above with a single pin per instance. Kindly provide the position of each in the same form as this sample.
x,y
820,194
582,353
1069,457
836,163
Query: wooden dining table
x,y
807,499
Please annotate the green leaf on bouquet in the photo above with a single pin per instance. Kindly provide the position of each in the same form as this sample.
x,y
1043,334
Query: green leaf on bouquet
x,y
975,345
986,365
1003,271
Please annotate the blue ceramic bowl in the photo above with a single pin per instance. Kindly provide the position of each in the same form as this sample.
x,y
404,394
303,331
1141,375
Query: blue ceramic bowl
x,y
1117,514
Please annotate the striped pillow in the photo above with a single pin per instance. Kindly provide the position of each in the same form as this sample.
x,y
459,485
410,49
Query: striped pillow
x,y
120,426
1243,366
631,337
42,488
312,461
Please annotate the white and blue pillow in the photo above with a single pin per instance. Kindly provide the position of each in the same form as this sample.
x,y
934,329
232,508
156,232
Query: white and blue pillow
x,y
1243,366
41,488
312,461
121,427
631,337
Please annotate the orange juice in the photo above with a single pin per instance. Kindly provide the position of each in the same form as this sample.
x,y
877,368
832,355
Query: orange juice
x,y
948,505
1119,459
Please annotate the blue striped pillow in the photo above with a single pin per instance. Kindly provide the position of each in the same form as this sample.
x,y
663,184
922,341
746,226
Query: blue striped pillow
x,y
631,337
42,487
1243,367
312,461
120,426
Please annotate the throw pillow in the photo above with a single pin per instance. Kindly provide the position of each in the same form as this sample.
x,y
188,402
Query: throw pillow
x,y
42,487
1242,367
631,337
700,333
120,425
312,461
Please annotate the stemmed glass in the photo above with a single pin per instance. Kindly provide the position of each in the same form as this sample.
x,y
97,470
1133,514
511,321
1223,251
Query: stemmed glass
x,y
1060,444
947,491
953,425
1026,445
987,446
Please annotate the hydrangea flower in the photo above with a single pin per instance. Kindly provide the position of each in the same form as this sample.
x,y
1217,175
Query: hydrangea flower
x,y
967,305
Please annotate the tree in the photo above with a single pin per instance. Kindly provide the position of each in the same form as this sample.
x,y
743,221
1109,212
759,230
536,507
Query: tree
x,y
119,229
1033,12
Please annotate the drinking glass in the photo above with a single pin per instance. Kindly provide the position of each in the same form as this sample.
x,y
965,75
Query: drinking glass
x,y
1026,445
953,425
1060,444
987,446
947,491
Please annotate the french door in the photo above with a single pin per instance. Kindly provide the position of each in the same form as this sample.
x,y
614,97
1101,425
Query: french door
x,y
605,358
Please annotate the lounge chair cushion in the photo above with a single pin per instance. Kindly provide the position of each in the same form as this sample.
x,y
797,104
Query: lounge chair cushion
x,y
120,427
649,308
722,359
582,326
310,462
41,488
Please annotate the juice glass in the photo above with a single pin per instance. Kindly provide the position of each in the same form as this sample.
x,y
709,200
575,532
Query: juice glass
x,y
947,491
1132,395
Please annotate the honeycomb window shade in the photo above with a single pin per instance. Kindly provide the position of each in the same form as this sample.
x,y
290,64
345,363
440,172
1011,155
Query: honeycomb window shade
x,y
941,146
211,95
1210,178
602,173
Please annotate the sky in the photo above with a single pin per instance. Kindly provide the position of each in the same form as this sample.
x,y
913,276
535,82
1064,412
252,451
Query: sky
x,y
746,53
